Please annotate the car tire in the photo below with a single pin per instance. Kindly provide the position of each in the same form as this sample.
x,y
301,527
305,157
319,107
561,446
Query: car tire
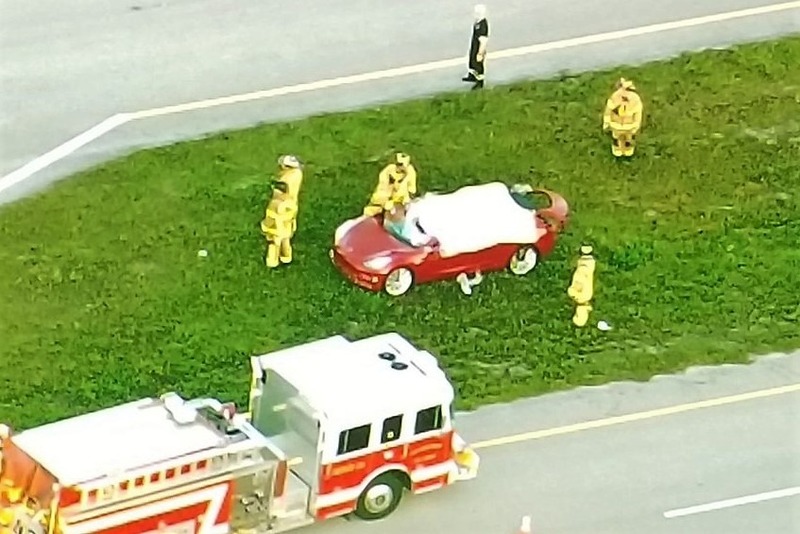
x,y
524,260
380,498
398,282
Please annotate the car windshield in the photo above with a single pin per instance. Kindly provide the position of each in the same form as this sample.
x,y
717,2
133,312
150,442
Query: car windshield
x,y
407,232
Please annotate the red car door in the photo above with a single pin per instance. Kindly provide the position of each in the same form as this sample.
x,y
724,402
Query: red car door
x,y
436,267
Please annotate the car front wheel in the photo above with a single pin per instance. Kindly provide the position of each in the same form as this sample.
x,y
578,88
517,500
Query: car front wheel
x,y
524,261
399,282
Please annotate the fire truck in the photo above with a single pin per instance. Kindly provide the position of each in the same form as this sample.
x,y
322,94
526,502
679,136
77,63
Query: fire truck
x,y
335,427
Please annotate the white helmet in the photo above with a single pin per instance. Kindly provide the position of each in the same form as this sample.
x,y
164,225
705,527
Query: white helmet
x,y
289,161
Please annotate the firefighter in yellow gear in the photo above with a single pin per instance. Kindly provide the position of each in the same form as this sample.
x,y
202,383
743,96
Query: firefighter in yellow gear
x,y
397,184
10,500
7,517
9,492
581,290
290,173
19,515
279,225
623,116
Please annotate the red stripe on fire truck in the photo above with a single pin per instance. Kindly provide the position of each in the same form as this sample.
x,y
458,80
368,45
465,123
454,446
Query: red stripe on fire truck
x,y
209,506
336,510
351,473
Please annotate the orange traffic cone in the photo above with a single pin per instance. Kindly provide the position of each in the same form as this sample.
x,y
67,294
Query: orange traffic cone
x,y
525,527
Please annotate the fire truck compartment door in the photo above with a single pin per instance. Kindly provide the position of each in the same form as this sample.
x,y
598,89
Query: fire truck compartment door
x,y
281,414
252,501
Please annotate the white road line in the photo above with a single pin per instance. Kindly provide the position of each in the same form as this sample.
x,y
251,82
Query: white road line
x,y
730,503
115,121
63,150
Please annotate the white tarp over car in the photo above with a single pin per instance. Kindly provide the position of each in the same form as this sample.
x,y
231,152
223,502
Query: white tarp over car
x,y
474,218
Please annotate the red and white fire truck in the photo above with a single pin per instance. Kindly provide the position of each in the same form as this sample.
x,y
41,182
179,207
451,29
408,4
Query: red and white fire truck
x,y
335,427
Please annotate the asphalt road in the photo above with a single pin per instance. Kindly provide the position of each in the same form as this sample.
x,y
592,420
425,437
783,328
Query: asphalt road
x,y
621,479
65,67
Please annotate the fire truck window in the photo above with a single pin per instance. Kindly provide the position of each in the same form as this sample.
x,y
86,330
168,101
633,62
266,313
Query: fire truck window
x,y
353,439
428,419
391,428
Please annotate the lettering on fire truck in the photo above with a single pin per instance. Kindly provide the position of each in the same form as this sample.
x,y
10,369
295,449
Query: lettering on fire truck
x,y
335,427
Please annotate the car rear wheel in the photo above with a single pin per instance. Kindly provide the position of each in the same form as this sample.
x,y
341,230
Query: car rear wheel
x,y
399,282
524,261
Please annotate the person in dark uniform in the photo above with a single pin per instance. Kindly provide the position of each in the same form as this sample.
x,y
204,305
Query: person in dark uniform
x,y
477,48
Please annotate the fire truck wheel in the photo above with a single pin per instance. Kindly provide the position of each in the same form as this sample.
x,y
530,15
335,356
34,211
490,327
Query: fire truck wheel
x,y
380,498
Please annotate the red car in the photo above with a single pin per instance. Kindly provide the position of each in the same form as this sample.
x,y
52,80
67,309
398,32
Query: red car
x,y
479,228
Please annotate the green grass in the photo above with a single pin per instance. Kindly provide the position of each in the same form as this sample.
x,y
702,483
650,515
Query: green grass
x,y
105,298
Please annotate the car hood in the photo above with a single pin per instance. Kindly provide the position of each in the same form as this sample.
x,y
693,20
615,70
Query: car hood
x,y
363,239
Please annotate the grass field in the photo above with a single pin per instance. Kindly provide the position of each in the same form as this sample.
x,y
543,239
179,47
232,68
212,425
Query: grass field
x,y
106,299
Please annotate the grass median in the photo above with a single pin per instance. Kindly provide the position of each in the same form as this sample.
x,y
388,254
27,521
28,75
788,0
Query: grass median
x,y
105,297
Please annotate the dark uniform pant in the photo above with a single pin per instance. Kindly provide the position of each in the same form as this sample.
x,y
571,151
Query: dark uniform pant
x,y
476,68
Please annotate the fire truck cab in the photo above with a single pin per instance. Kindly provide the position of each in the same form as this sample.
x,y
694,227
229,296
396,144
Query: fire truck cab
x,y
365,419
335,427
